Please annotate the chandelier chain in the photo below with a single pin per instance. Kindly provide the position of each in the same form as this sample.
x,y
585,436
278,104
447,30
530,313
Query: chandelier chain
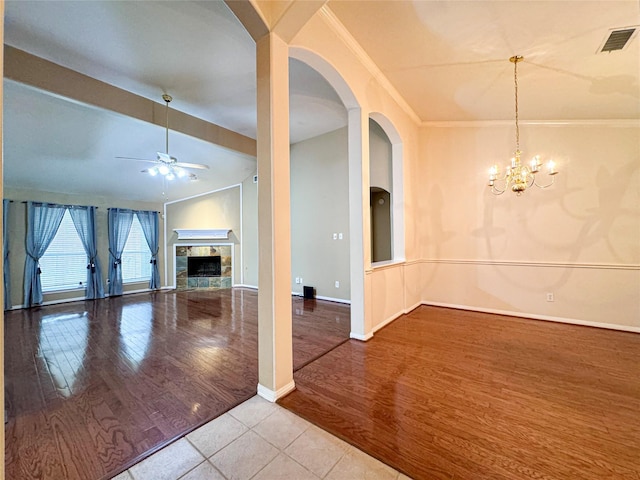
x,y
515,81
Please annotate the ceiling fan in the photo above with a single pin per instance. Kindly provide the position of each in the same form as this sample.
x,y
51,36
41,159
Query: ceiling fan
x,y
166,165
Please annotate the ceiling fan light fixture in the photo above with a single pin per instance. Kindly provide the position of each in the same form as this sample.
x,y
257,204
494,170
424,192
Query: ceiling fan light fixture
x,y
170,176
180,172
153,171
164,170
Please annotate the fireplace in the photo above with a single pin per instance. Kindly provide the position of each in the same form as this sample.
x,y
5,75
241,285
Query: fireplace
x,y
203,267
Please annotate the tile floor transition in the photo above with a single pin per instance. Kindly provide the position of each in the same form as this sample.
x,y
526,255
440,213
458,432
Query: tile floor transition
x,y
262,441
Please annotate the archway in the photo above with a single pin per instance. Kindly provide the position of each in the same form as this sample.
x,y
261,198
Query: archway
x,y
358,199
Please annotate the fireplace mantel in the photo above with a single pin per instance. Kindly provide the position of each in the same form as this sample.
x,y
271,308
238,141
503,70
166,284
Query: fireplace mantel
x,y
202,233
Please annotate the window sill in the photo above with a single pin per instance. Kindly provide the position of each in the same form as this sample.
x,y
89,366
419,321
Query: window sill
x,y
64,290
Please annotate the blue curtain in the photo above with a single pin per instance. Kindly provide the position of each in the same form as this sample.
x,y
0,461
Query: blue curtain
x,y
5,250
84,219
119,227
150,228
43,221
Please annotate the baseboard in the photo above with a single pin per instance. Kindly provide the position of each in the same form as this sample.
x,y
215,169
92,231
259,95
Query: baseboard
x,y
273,396
331,299
412,308
242,285
362,338
547,318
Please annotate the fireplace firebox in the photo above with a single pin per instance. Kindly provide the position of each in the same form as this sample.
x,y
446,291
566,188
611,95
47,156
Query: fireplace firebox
x,y
203,267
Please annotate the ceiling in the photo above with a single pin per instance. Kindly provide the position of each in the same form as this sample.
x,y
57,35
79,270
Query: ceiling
x,y
447,59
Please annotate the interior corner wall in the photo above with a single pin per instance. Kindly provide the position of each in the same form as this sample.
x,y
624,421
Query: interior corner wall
x,y
215,210
18,229
578,240
319,208
250,232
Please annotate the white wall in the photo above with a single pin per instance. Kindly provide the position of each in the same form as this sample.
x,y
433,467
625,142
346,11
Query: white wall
x,y
579,239
320,208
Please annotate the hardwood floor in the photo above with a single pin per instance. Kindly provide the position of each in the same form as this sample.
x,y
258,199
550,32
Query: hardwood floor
x,y
93,387
450,394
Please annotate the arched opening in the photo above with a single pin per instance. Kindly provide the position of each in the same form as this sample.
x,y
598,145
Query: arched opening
x,y
386,173
380,209
356,194
381,192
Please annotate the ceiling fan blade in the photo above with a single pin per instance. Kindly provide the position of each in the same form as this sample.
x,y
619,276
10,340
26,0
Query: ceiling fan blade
x,y
139,159
192,165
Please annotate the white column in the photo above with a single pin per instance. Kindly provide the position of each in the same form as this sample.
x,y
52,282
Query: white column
x,y
359,223
275,352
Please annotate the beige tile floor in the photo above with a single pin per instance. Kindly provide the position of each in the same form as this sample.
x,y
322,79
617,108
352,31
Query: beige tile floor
x,y
262,441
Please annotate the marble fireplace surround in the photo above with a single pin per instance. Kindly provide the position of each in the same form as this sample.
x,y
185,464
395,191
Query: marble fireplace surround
x,y
222,250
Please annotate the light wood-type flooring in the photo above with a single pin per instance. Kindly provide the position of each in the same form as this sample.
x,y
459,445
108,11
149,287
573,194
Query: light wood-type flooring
x,y
449,394
94,387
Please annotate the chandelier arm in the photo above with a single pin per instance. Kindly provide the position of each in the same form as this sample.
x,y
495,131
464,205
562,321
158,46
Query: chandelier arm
x,y
553,180
532,181
497,191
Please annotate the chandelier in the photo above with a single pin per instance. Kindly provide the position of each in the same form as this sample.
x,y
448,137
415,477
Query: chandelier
x,y
517,177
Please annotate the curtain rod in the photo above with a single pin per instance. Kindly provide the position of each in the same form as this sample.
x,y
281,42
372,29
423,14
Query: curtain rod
x,y
131,210
60,205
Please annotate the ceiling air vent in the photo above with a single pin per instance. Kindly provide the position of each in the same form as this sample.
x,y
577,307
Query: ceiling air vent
x,y
618,39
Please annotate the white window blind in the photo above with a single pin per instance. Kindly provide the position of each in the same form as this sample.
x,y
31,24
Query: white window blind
x,y
136,255
64,264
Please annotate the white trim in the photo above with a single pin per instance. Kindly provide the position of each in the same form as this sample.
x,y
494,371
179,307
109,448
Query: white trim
x,y
331,299
202,233
386,322
548,318
513,263
362,338
412,308
273,396
203,194
242,285
387,264
614,122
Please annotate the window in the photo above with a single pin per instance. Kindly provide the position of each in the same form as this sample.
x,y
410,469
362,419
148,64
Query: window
x,y
136,255
64,264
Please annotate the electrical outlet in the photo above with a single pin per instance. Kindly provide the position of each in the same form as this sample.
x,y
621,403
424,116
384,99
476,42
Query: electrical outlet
x,y
301,281
297,279
335,236
337,284
340,236
550,297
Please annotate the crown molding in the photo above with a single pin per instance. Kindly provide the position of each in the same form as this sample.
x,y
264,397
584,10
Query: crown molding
x,y
341,31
